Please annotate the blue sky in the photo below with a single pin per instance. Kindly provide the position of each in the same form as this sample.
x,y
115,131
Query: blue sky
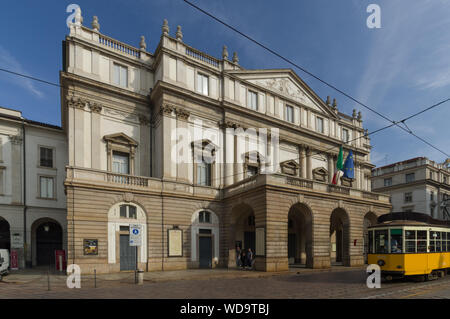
x,y
398,69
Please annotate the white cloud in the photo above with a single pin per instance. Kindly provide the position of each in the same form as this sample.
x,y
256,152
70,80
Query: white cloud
x,y
9,62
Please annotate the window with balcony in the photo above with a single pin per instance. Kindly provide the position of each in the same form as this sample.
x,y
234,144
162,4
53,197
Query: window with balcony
x,y
289,113
204,152
202,84
410,177
252,100
120,163
46,157
120,75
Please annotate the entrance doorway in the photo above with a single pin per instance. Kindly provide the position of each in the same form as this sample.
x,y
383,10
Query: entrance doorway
x,y
339,238
5,237
127,254
205,248
48,239
300,236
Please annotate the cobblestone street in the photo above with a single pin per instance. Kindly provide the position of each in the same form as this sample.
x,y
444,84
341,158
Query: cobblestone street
x,y
344,283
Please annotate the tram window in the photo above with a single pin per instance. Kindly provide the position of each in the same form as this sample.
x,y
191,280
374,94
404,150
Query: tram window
x,y
448,242
410,241
371,242
381,241
396,241
435,241
444,241
421,241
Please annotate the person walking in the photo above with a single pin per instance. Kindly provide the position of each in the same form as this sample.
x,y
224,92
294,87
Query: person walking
x,y
238,256
243,259
249,258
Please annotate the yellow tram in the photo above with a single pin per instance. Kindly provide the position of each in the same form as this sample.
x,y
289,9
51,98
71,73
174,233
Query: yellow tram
x,y
410,244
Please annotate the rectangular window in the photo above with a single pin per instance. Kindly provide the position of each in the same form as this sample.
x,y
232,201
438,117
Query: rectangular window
x,y
204,174
408,197
345,135
46,187
319,124
431,175
435,241
445,179
410,177
388,181
432,196
120,75
396,241
46,157
202,84
289,114
252,100
381,241
120,163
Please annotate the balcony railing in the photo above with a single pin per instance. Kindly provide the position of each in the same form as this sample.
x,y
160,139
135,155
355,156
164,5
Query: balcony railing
x,y
338,189
202,56
119,46
127,179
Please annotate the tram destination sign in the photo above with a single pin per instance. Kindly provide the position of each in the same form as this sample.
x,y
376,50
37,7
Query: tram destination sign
x,y
135,235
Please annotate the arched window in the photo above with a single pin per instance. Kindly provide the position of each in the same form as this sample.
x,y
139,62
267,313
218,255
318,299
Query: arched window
x,y
204,217
128,211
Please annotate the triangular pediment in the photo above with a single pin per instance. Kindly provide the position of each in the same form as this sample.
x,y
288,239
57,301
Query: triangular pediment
x,y
288,84
120,138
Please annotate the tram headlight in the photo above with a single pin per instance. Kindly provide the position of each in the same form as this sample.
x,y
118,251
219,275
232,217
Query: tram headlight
x,y
381,262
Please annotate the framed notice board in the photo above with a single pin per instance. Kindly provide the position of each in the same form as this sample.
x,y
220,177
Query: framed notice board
x,y
175,245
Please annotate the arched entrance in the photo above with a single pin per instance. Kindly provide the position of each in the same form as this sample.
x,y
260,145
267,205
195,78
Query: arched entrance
x,y
47,237
205,239
242,231
340,237
300,236
5,236
370,219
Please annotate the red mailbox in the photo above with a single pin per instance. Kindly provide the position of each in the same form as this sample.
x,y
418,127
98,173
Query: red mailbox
x,y
60,260
14,263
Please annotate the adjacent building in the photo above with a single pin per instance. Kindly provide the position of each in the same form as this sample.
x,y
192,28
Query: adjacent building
x,y
33,216
125,111
416,185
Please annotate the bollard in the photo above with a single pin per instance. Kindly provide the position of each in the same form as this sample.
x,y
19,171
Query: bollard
x,y
140,275
60,263
95,278
48,280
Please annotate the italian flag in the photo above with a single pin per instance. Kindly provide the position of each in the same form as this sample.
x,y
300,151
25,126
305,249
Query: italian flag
x,y
339,166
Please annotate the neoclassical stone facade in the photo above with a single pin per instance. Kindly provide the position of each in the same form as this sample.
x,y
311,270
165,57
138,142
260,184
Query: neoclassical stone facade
x,y
125,111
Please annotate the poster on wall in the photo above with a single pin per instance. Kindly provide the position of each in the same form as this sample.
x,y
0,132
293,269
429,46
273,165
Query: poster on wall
x,y
90,246
175,242
260,249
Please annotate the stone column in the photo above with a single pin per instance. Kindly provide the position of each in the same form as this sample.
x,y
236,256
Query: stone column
x,y
229,154
144,146
169,168
183,159
308,163
16,168
302,161
330,167
96,135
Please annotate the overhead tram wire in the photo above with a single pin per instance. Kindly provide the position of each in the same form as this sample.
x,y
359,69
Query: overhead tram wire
x,y
312,75
232,175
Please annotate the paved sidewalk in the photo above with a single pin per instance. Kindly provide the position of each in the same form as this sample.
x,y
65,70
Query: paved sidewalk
x,y
41,275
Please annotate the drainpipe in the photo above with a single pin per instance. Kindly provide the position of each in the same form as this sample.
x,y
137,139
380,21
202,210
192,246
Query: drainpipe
x,y
25,248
